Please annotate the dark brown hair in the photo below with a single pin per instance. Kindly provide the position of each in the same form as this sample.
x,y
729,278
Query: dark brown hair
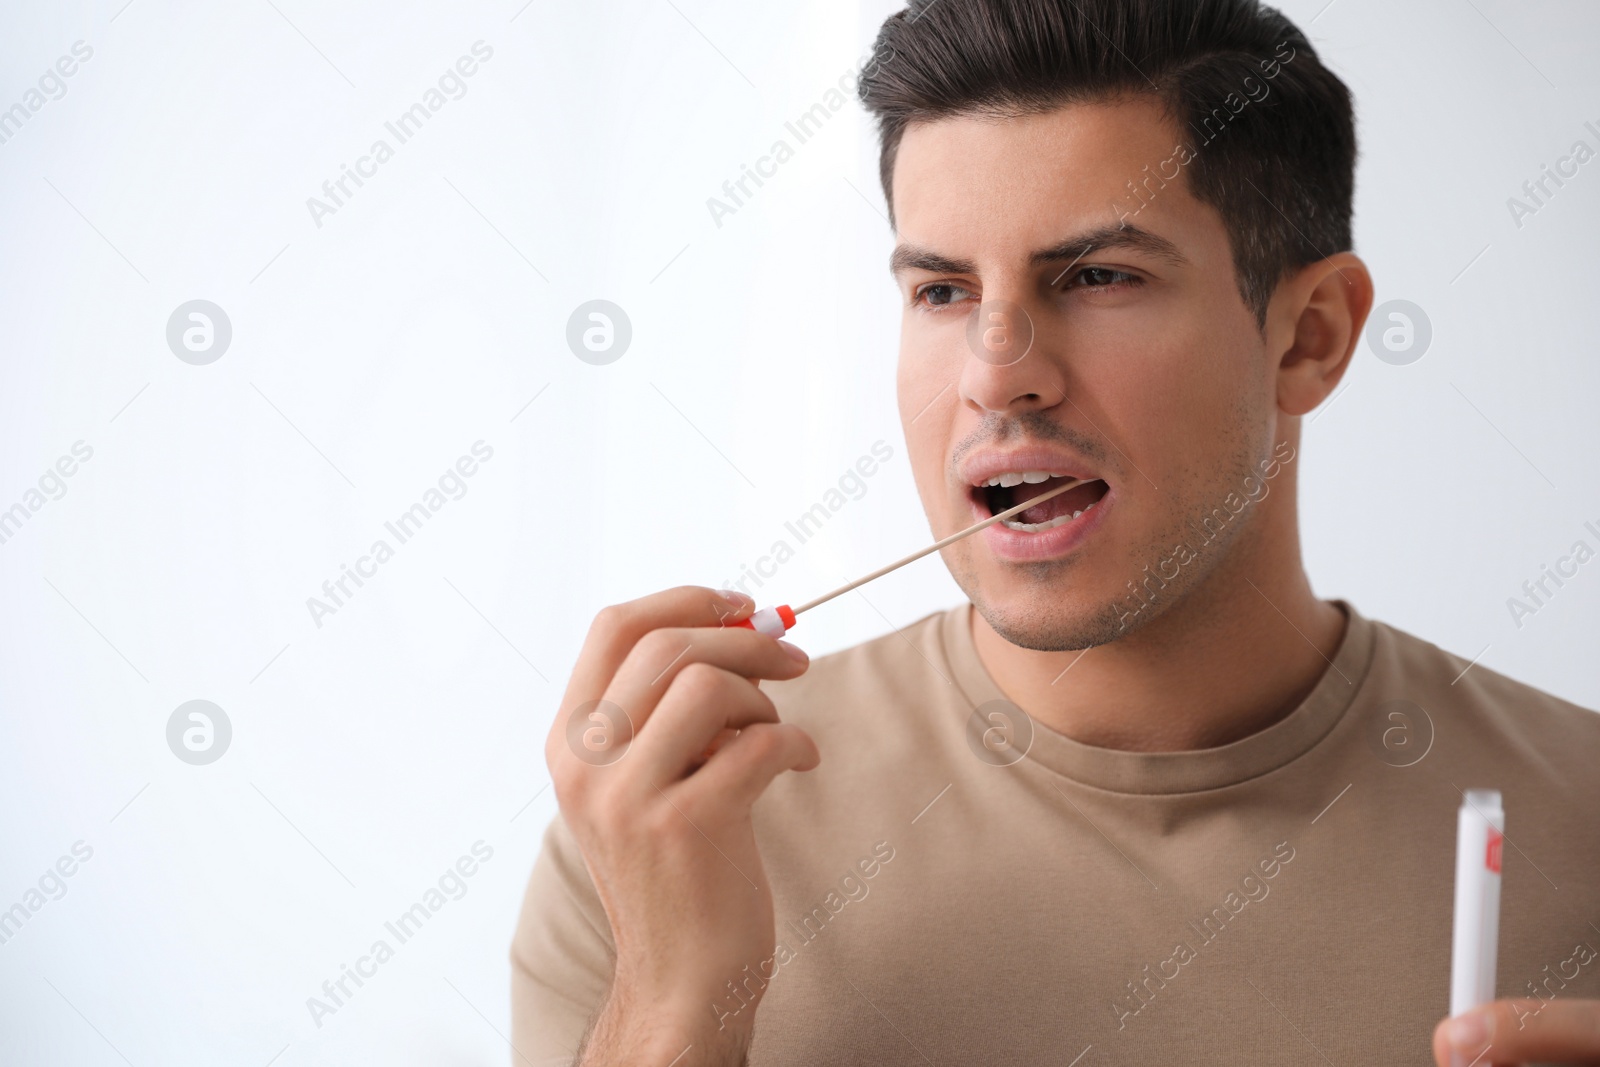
x,y
1269,129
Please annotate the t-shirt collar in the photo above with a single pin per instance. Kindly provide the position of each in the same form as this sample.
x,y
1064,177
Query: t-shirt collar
x,y
1177,772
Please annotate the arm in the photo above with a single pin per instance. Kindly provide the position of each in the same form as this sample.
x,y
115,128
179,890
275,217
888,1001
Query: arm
x,y
561,958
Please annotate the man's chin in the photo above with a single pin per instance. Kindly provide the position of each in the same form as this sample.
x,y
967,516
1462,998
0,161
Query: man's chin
x,y
1050,626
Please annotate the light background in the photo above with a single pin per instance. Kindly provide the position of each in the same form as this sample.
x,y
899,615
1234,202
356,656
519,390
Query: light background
x,y
427,312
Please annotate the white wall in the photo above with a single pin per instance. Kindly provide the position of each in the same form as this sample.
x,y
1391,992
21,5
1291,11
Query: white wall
x,y
369,352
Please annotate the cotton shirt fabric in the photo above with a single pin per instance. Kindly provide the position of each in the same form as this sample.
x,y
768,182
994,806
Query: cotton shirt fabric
x,y
1284,899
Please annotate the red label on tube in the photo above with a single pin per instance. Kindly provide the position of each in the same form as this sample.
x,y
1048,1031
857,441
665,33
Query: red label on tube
x,y
1491,857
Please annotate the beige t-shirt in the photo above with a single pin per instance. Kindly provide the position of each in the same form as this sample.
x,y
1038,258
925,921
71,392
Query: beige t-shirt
x,y
1285,899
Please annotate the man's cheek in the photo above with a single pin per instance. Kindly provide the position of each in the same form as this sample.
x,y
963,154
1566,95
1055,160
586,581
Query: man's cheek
x,y
926,399
925,381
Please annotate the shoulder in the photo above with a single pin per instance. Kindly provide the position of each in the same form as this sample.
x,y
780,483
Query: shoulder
x,y
1519,721
1489,731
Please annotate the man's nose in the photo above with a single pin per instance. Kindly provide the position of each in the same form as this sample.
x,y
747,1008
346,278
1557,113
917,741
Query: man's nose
x,y
1009,365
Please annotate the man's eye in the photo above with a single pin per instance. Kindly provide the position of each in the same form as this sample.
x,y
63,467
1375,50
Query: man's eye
x,y
942,294
1099,278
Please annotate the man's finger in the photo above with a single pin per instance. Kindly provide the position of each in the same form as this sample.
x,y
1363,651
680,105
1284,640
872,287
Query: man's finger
x,y
612,636
742,769
616,629
703,701
1522,1030
661,655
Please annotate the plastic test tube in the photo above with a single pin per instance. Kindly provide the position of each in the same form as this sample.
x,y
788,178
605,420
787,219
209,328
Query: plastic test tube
x,y
1480,830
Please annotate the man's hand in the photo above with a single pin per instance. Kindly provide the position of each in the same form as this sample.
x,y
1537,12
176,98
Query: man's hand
x,y
1510,1032
665,831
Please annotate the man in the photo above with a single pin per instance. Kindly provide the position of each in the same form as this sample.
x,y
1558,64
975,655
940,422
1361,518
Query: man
x,y
1147,798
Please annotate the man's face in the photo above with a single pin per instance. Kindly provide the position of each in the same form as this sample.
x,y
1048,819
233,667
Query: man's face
x,y
1146,370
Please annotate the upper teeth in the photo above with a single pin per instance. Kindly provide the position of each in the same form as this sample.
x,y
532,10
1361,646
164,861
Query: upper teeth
x,y
1011,478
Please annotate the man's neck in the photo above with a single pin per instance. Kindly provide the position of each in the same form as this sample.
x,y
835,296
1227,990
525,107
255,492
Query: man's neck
x,y
1228,659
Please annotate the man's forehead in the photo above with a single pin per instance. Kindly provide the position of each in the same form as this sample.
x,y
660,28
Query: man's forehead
x,y
1043,186
1110,140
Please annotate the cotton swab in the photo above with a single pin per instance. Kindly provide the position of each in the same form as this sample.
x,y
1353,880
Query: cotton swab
x,y
775,622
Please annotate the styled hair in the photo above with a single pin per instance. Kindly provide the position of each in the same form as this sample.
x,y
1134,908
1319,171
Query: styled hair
x,y
1269,131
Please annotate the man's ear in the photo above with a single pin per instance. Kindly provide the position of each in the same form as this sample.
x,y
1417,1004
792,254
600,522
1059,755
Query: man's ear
x,y
1314,324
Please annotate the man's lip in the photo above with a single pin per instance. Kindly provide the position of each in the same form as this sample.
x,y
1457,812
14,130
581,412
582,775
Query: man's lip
x,y
977,469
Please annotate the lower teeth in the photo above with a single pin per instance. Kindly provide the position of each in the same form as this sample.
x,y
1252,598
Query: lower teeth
x,y
1035,527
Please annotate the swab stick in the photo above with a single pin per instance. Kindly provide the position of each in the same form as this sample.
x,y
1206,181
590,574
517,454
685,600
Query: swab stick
x,y
780,620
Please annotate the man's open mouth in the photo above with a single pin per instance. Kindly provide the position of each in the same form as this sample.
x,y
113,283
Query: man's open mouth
x,y
1004,491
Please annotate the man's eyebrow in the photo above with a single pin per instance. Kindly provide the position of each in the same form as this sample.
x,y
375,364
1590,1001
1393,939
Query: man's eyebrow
x,y
912,257
1075,248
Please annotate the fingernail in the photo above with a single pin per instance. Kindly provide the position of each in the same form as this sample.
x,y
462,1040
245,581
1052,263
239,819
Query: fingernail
x,y
795,652
1468,1031
736,598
